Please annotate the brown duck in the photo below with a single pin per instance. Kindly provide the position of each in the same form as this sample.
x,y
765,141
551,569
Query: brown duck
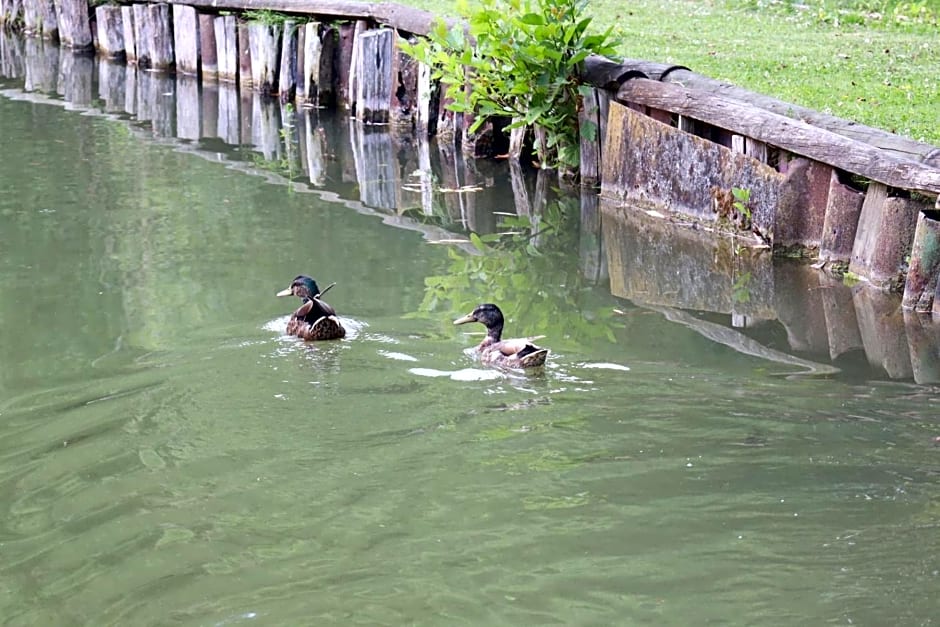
x,y
315,319
495,351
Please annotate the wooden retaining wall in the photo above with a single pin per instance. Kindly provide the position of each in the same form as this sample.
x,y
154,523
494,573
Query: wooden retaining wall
x,y
672,140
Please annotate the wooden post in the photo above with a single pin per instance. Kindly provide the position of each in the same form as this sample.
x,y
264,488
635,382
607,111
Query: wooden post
x,y
110,27
884,236
426,115
842,211
264,41
316,82
130,37
208,51
186,39
287,75
226,42
244,58
405,71
592,123
372,75
39,19
346,62
801,211
921,283
154,36
74,26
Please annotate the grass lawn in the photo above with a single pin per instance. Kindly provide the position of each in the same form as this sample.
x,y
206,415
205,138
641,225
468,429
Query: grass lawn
x,y
873,61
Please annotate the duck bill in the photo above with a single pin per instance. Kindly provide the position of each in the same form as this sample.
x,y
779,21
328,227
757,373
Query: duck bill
x,y
465,319
286,292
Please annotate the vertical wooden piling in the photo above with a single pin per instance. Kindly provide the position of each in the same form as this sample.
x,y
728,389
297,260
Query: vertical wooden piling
x,y
592,123
264,41
426,114
208,50
186,39
110,27
226,46
315,83
801,211
884,235
154,36
405,71
287,73
40,19
372,75
244,57
74,25
841,222
130,38
921,283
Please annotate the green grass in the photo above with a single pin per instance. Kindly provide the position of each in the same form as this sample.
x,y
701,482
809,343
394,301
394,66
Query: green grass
x,y
875,62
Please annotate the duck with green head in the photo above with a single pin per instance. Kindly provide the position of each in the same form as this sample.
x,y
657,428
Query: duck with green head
x,y
495,351
315,319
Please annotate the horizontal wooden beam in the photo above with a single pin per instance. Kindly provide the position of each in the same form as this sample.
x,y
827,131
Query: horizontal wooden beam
x,y
778,130
403,18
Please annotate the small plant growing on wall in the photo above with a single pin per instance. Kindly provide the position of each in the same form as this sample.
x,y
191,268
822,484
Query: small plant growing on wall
x,y
519,59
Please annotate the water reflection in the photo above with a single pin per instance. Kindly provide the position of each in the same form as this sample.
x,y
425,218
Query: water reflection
x,y
784,312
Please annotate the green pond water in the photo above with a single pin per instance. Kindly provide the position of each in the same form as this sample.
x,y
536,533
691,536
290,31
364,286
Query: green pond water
x,y
169,457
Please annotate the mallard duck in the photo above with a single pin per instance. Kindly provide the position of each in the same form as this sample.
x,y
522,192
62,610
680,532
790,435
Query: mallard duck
x,y
315,319
511,353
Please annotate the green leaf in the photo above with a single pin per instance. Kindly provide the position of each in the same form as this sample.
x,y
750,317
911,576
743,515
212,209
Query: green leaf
x,y
477,242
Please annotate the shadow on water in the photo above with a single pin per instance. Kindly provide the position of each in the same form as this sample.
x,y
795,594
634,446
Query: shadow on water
x,y
781,311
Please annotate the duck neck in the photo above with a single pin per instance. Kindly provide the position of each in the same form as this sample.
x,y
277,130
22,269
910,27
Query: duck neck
x,y
494,333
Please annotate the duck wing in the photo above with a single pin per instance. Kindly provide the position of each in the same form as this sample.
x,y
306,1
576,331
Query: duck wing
x,y
314,309
518,347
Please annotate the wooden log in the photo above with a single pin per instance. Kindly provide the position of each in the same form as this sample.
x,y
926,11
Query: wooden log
x,y
405,70
403,18
41,65
130,34
228,119
843,208
153,35
425,116
111,88
40,19
188,107
208,49
186,39
244,57
372,75
74,25
226,42
792,135
317,67
801,211
884,236
921,283
110,25
345,44
265,43
287,73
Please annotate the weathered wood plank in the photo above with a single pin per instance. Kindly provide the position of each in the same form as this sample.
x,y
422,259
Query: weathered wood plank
x,y
372,75
843,208
264,41
403,18
110,26
208,49
920,285
186,39
316,87
130,34
778,130
884,236
244,58
74,25
40,20
287,74
226,48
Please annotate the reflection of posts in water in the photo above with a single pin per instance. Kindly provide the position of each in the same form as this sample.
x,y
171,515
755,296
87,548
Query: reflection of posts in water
x,y
376,166
923,340
265,127
290,140
425,174
650,260
841,323
41,65
881,325
76,73
228,113
209,107
799,306
188,107
112,84
130,89
312,148
591,255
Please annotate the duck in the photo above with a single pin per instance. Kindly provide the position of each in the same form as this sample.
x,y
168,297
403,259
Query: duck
x,y
495,351
315,319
